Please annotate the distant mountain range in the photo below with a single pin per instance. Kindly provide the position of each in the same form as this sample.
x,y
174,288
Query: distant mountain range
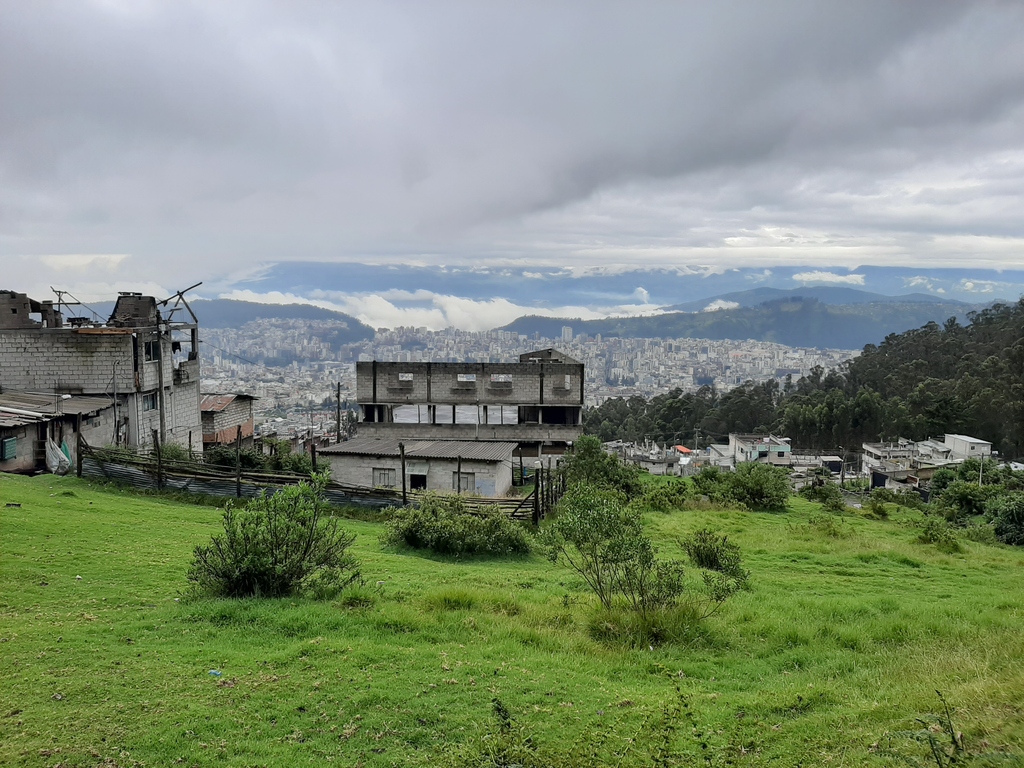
x,y
228,313
823,293
797,321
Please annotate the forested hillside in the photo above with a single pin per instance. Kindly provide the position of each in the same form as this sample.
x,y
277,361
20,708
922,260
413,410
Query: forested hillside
x,y
925,382
798,321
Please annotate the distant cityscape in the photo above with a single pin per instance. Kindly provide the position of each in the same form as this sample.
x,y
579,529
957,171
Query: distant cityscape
x,y
295,372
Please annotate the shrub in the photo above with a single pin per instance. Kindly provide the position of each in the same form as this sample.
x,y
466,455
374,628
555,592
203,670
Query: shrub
x,y
962,499
590,464
936,530
174,452
275,545
224,456
825,493
1007,513
441,524
666,497
830,525
941,480
981,534
603,541
713,483
713,552
876,506
760,486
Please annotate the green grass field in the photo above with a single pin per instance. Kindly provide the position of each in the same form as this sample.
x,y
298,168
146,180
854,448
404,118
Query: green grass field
x,y
842,641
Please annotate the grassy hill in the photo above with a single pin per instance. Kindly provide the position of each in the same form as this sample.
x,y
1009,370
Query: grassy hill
x,y
849,630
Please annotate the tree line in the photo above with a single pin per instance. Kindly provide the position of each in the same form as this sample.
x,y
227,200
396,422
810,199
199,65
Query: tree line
x,y
936,379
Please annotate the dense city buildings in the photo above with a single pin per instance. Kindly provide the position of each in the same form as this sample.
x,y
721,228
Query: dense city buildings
x,y
296,374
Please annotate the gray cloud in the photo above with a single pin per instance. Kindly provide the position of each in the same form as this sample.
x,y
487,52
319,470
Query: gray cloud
x,y
206,138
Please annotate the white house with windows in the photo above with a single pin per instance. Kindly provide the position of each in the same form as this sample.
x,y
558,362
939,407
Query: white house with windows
x,y
481,468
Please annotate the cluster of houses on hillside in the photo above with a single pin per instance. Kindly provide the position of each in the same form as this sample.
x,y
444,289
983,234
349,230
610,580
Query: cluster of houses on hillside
x,y
902,462
133,380
130,380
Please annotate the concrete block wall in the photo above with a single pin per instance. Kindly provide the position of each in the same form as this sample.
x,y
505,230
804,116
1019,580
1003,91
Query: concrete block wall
x,y
493,479
439,383
183,416
69,359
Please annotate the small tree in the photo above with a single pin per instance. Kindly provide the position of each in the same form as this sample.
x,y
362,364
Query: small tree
x,y
596,536
1007,512
760,486
589,463
275,545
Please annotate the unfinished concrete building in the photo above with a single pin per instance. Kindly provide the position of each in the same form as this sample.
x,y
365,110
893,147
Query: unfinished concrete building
x,y
536,403
144,358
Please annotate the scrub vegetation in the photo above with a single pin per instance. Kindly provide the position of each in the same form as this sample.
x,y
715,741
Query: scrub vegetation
x,y
831,653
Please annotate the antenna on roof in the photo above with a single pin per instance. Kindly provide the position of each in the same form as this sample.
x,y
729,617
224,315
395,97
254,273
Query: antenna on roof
x,y
179,297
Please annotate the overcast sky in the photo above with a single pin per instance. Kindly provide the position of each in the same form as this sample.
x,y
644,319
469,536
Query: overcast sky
x,y
150,145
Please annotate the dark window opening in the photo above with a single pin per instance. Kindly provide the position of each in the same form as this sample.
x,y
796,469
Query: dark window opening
x,y
417,482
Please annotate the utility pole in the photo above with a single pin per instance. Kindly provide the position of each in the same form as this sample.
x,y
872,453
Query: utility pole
x,y
337,416
401,453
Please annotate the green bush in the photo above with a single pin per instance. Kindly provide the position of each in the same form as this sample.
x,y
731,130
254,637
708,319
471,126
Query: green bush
x,y
981,534
825,493
224,456
590,464
1007,513
713,483
666,497
760,486
174,452
441,524
277,545
935,530
713,552
962,499
941,480
601,539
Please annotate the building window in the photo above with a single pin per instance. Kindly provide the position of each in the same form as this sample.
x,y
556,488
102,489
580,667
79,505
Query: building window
x,y
384,478
405,377
8,448
152,350
467,484
501,378
782,454
467,377
149,402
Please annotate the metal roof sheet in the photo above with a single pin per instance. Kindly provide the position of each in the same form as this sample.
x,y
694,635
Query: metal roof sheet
x,y
220,402
50,405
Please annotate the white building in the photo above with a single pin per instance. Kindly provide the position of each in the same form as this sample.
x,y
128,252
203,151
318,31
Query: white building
x,y
964,447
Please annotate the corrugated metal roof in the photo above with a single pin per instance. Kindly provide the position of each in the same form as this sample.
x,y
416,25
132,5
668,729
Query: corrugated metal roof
x,y
214,403
476,450
50,405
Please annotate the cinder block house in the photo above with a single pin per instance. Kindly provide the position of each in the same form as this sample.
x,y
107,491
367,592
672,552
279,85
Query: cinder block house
x,y
144,359
223,415
536,403
483,468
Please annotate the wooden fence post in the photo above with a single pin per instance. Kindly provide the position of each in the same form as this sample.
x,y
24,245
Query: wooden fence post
x,y
312,453
458,479
159,461
401,453
78,454
238,462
